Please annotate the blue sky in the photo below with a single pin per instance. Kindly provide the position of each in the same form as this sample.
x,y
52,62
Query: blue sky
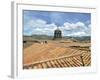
x,y
45,22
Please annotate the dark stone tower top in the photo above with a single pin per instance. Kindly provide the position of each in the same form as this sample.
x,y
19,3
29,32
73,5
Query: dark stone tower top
x,y
57,34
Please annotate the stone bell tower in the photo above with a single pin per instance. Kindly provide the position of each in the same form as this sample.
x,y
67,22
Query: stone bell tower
x,y
57,34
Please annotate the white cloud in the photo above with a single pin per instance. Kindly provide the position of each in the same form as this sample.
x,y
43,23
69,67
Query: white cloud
x,y
76,29
78,34
73,26
89,26
80,24
36,23
39,26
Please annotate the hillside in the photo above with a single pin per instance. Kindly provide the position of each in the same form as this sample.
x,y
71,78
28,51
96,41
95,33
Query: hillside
x,y
46,37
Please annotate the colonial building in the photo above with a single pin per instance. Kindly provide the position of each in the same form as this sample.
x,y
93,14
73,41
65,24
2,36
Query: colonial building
x,y
57,34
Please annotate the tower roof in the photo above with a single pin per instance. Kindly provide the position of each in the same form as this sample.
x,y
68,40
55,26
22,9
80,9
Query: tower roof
x,y
58,29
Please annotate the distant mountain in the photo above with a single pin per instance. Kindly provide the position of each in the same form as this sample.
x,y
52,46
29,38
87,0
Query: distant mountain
x,y
42,37
46,37
78,38
39,37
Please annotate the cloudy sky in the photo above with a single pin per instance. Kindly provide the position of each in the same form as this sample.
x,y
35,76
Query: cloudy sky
x,y
45,22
